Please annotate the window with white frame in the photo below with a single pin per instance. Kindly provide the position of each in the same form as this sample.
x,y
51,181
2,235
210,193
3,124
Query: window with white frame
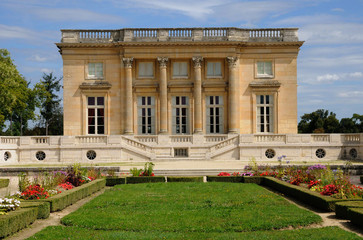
x,y
146,69
180,69
95,70
265,107
146,115
96,115
180,110
264,69
214,69
214,106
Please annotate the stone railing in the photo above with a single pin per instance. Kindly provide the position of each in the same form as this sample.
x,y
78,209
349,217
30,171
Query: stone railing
x,y
225,143
320,138
215,138
137,144
351,138
91,139
10,140
180,34
270,138
40,140
181,139
147,139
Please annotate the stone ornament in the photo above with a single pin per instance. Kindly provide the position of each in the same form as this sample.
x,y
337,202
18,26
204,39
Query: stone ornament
x,y
128,62
197,61
163,61
232,61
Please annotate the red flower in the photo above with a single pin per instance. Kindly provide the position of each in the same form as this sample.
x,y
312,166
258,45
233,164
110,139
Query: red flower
x,y
224,174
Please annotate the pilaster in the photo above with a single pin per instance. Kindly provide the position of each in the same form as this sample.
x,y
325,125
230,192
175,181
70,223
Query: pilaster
x,y
233,103
198,122
163,88
129,126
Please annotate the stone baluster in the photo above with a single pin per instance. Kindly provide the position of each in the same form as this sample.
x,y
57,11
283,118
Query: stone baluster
x,y
163,87
198,123
129,126
233,103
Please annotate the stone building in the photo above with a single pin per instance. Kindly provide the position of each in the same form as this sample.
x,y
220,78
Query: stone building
x,y
180,81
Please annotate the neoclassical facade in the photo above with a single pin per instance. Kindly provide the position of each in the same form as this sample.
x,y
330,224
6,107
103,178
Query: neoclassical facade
x,y
180,81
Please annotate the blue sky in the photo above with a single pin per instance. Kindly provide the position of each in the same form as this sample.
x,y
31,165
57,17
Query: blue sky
x,y
330,63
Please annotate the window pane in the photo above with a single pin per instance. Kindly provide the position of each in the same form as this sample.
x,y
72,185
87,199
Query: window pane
x,y
91,129
184,111
91,112
100,129
217,111
99,69
100,121
143,100
217,100
217,128
100,101
211,100
262,110
268,68
91,69
177,100
184,100
218,69
149,100
146,69
211,128
184,120
143,129
91,101
100,112
260,68
210,69
91,121
267,99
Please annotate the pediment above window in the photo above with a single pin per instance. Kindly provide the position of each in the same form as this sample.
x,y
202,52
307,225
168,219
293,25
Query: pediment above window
x,y
95,85
265,84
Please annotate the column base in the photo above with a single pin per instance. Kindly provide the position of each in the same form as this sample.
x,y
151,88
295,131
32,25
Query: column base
x,y
198,131
163,132
129,133
233,131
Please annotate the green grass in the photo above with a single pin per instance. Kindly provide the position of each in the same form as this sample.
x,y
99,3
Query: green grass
x,y
74,233
189,207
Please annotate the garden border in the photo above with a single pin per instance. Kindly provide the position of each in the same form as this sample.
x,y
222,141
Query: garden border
x,y
4,182
16,220
184,179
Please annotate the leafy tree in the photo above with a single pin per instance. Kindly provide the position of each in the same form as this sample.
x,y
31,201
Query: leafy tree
x,y
17,103
347,125
49,101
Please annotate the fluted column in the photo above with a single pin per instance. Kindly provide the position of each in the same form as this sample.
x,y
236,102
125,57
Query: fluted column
x,y
233,102
198,122
163,88
129,126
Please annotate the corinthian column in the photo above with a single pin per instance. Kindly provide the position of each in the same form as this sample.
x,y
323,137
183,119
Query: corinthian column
x,y
198,123
163,87
129,126
233,103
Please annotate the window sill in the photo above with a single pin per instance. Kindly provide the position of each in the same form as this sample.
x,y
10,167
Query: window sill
x,y
265,76
94,78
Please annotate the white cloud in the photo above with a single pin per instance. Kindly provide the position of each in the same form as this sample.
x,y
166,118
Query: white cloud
x,y
356,74
338,10
38,58
328,78
351,94
7,31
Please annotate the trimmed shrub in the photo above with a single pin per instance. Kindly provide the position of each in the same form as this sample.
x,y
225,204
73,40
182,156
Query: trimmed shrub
x,y
184,179
232,179
253,179
305,195
43,208
132,180
4,182
355,215
17,220
112,181
341,208
68,197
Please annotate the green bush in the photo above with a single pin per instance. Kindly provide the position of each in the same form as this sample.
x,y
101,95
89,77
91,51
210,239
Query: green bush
x,y
341,208
184,179
233,179
253,179
4,182
17,220
305,195
355,215
43,208
112,181
68,197
132,180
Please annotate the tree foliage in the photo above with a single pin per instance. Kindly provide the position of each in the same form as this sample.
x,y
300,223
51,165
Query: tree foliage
x,y
323,121
17,102
49,102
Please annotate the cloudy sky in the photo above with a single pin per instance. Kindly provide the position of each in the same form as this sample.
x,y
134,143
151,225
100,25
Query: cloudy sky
x,y
330,63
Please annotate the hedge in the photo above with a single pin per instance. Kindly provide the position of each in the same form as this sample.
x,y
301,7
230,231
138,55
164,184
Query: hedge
x,y
132,180
315,199
68,197
4,182
233,179
112,181
253,179
43,207
17,220
355,215
341,208
361,179
184,179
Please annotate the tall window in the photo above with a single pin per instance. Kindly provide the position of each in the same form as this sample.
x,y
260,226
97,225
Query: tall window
x,y
96,115
214,114
146,69
214,69
265,113
146,115
95,70
180,115
264,69
180,69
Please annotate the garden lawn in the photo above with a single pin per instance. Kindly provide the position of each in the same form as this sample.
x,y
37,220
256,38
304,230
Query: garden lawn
x,y
189,207
75,233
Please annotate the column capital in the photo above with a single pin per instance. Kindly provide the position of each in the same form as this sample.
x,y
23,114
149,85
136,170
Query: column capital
x,y
163,61
232,62
197,61
128,62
